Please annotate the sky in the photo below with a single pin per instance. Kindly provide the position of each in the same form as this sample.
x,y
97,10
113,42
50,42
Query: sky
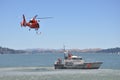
x,y
77,24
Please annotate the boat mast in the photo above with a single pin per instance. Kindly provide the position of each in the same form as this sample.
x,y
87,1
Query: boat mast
x,y
65,52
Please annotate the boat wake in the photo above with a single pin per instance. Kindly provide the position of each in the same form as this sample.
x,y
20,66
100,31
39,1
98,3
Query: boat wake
x,y
49,73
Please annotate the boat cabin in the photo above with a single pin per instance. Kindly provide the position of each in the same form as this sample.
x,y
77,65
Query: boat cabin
x,y
76,58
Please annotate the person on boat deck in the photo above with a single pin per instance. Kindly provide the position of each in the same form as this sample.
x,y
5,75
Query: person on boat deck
x,y
69,55
59,61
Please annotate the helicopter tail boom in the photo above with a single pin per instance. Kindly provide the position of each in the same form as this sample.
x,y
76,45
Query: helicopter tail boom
x,y
23,23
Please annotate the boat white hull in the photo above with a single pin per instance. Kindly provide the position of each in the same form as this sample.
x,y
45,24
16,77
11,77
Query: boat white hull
x,y
89,65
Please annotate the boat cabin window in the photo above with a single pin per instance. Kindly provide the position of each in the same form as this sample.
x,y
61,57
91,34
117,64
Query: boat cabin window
x,y
77,58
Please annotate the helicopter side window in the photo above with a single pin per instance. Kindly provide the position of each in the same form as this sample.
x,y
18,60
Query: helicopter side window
x,y
30,21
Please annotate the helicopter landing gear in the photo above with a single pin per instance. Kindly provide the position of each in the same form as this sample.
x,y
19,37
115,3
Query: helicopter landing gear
x,y
29,29
38,32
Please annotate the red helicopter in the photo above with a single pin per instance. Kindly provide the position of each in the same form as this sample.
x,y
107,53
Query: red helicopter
x,y
33,23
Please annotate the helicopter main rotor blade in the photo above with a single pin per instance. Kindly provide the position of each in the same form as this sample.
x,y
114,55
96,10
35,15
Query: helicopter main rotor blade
x,y
45,18
35,16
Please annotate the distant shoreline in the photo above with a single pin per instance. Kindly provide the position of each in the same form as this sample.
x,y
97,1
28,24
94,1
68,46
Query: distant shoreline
x,y
38,50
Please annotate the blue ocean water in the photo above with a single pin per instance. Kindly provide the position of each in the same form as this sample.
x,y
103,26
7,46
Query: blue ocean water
x,y
40,67
110,61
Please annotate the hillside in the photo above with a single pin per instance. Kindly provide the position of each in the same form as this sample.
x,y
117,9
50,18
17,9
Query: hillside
x,y
10,51
110,50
